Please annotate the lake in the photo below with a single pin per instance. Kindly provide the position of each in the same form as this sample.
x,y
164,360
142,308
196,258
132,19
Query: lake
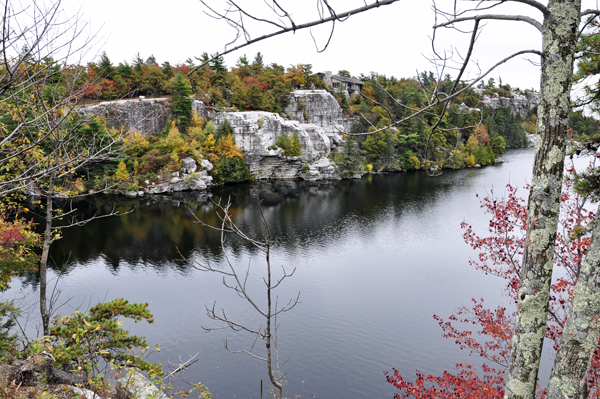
x,y
375,259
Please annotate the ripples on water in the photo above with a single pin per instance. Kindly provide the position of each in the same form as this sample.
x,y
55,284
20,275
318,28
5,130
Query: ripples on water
x,y
375,259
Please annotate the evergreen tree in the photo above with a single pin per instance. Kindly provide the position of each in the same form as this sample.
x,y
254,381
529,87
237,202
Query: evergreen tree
x,y
224,129
105,67
258,61
181,103
218,64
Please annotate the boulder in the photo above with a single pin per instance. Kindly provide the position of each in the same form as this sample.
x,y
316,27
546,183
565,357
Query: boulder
x,y
189,165
136,386
322,169
206,165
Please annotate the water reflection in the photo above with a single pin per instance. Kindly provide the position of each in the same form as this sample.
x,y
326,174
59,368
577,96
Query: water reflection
x,y
163,229
375,259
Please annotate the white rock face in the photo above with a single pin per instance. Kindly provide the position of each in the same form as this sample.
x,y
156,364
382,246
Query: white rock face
x,y
323,169
319,107
148,116
518,103
255,131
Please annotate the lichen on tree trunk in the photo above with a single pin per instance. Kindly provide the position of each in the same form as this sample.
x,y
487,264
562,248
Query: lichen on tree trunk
x,y
560,28
582,329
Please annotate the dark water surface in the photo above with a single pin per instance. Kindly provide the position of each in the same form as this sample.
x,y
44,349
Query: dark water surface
x,y
375,259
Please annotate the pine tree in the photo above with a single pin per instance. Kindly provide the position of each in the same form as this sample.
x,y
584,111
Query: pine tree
x,y
181,103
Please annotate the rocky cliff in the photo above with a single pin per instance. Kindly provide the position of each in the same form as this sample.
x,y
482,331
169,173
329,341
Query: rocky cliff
x,y
146,115
319,107
518,103
317,120
256,131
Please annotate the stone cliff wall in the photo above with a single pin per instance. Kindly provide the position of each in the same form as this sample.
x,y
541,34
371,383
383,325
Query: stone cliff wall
x,y
255,131
319,107
146,115
519,104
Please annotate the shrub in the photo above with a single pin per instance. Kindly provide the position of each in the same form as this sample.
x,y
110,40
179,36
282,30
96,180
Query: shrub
x,y
291,146
82,340
231,170
121,173
413,162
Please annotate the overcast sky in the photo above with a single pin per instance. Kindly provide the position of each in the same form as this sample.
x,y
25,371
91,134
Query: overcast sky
x,y
391,40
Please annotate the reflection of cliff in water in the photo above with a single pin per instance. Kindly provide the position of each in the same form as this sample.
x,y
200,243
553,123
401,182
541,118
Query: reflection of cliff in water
x,y
161,230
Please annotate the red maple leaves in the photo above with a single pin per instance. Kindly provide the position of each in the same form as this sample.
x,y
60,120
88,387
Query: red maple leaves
x,y
488,332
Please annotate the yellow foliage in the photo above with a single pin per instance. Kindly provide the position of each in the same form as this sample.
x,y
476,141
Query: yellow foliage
x,y
530,124
135,140
121,173
209,143
470,160
174,137
413,162
197,120
369,91
226,148
369,168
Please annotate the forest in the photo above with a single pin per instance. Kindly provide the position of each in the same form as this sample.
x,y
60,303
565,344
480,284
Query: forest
x,y
50,150
465,137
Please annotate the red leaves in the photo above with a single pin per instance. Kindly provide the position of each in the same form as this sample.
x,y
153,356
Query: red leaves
x,y
500,253
494,325
251,81
466,384
488,332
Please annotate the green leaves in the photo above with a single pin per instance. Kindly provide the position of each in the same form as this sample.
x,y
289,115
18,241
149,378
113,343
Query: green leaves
x,y
82,340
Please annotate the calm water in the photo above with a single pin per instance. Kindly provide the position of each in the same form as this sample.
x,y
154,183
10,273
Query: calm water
x,y
374,259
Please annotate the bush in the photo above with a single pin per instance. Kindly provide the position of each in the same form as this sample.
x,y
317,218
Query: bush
x,y
413,163
231,170
83,340
290,145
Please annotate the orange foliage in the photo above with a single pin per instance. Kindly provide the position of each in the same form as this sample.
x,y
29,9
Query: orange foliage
x,y
226,148
481,134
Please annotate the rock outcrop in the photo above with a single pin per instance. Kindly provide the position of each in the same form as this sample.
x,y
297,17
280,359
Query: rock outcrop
x,y
136,386
256,133
319,107
146,115
191,178
519,104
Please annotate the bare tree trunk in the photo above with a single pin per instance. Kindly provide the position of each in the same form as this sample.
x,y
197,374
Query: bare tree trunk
x,y
44,259
268,336
560,29
582,329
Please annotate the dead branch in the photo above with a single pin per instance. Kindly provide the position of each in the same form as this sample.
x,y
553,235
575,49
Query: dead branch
x,y
282,28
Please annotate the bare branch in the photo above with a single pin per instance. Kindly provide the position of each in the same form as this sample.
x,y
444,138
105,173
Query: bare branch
x,y
294,27
520,18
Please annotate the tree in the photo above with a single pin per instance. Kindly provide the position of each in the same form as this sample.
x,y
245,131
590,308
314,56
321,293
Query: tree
x,y
258,63
45,143
105,67
233,279
181,103
500,254
559,29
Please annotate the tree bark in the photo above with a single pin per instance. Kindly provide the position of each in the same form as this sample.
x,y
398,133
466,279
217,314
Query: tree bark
x,y
582,329
44,258
559,37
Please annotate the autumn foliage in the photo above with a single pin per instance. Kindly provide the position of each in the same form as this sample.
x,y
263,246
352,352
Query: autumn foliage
x,y
488,332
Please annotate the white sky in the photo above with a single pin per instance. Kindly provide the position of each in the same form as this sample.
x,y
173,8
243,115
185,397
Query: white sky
x,y
391,40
